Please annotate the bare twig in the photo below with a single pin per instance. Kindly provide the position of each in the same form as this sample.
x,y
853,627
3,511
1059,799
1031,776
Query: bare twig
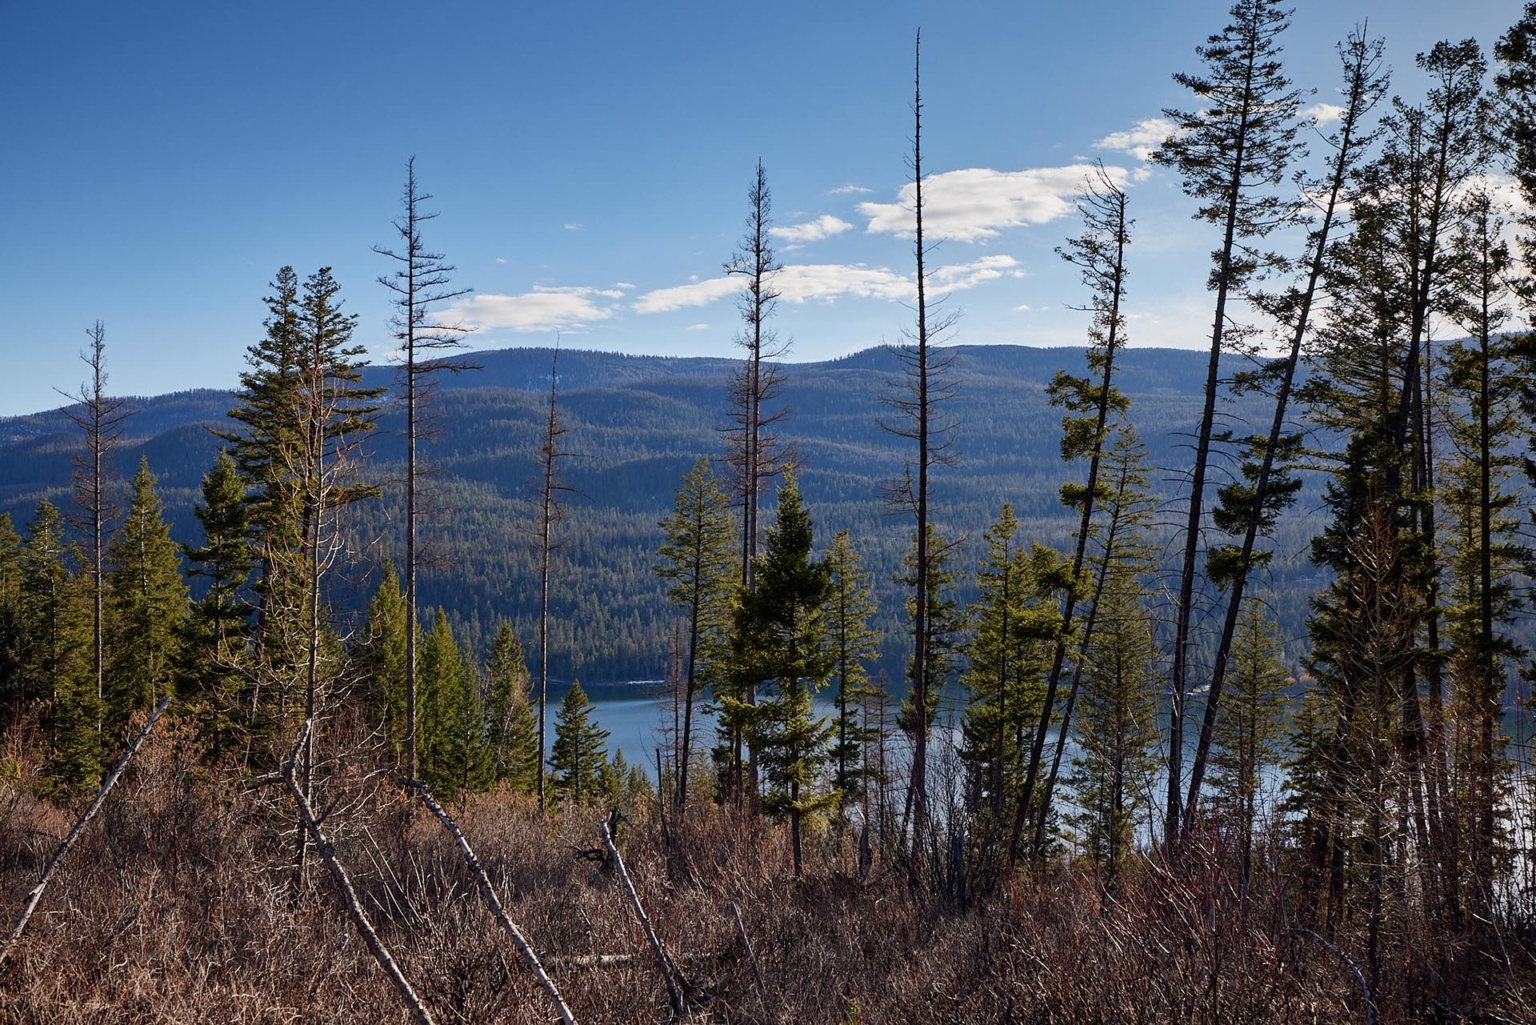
x,y
674,992
36,893
762,990
348,894
1365,991
494,903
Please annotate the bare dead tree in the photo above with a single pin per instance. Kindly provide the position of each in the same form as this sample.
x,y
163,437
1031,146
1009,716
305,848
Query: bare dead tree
x,y
755,456
344,885
420,285
917,419
551,511
100,419
488,893
752,452
36,893
669,973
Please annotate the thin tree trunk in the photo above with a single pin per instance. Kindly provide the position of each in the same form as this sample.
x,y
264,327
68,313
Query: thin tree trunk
x,y
36,893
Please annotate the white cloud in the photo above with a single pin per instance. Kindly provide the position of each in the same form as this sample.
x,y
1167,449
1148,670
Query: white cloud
x,y
844,190
804,282
546,308
625,285
1023,308
573,226
501,259
697,327
959,276
1141,140
828,282
1324,113
695,293
822,227
976,203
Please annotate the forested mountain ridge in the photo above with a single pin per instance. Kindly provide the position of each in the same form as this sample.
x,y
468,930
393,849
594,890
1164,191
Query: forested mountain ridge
x,y
637,423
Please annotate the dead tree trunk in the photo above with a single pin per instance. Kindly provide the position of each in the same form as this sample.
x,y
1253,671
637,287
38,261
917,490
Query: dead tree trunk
x,y
36,893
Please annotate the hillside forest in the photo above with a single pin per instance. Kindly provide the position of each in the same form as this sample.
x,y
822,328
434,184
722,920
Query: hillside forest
x,y
992,683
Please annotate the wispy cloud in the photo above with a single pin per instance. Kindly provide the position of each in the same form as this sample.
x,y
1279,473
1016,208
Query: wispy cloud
x,y
698,327
573,226
976,203
1140,141
822,227
846,190
829,282
1324,113
695,293
501,259
546,308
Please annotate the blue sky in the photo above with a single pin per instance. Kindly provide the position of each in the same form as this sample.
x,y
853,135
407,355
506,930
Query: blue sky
x,y
590,164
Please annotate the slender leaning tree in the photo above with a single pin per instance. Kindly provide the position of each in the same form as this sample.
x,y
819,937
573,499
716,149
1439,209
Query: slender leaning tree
x,y
1233,151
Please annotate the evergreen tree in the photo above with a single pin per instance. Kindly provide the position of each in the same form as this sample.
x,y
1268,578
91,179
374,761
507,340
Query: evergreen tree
x,y
213,660
579,754
1117,729
698,563
852,642
455,756
1250,736
1090,403
11,638
1013,635
1484,550
56,652
514,738
1233,151
782,632
146,605
381,658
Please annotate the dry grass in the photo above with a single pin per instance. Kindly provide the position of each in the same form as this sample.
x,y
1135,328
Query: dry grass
x,y
178,907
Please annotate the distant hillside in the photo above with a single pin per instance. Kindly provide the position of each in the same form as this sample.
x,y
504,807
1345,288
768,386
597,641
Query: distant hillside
x,y
637,423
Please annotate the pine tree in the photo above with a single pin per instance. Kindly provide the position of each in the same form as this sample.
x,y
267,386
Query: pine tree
x,y
1233,152
1117,729
580,752
1013,636
1249,507
381,659
1250,736
214,658
56,652
12,698
146,605
782,633
514,739
1481,389
1090,403
455,755
697,561
852,642
1120,545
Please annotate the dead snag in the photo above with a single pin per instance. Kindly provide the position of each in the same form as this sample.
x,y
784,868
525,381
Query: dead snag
x,y
348,894
36,894
674,991
494,902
